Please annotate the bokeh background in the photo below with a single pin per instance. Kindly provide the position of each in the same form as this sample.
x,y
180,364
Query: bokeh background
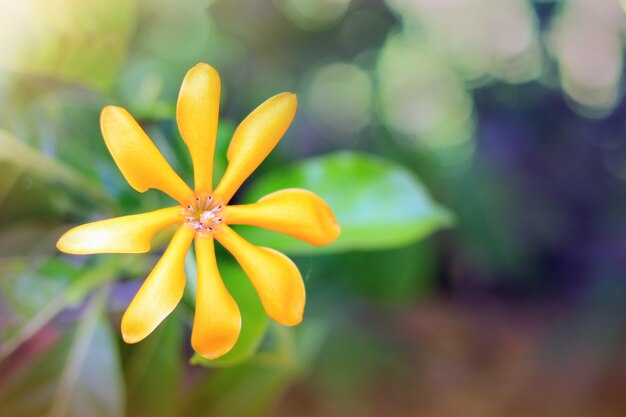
x,y
474,152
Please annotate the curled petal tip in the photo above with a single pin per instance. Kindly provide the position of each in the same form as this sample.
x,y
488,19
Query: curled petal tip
x,y
334,231
328,225
128,335
67,244
287,99
201,67
61,244
208,355
212,352
110,111
290,319
288,95
292,311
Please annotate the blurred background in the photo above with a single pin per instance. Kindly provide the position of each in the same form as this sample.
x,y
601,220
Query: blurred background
x,y
474,152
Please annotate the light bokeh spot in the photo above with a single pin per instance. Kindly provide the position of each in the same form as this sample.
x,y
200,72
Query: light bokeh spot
x,y
339,98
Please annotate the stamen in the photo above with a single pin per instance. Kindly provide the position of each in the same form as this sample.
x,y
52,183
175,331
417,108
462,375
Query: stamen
x,y
201,216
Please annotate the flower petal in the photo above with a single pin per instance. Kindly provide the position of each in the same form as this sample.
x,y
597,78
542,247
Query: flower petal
x,y
274,276
160,292
217,322
254,139
126,234
137,157
295,212
197,115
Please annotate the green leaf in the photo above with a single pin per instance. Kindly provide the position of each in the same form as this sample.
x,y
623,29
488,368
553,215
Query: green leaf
x,y
409,272
39,375
153,372
25,298
254,320
19,159
252,389
91,383
33,298
88,384
378,203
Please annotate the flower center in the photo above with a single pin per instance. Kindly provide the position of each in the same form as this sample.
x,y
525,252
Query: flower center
x,y
202,214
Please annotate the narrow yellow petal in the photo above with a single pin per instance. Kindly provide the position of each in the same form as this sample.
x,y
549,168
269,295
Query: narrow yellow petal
x,y
274,276
294,212
217,321
197,115
137,157
160,292
127,234
254,139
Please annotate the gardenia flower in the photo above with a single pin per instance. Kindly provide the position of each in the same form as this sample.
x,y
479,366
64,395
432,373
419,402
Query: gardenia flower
x,y
205,215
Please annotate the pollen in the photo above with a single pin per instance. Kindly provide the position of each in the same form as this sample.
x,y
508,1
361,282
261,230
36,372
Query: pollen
x,y
202,214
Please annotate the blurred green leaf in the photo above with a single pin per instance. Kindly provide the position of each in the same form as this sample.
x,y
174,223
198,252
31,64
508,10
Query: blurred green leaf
x,y
378,203
39,375
413,273
24,159
87,384
25,293
254,320
153,372
251,389
278,348
31,309
91,383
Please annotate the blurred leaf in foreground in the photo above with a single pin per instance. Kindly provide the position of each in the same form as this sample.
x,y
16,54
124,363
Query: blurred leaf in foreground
x,y
31,160
88,384
24,294
251,389
378,203
30,182
153,372
29,310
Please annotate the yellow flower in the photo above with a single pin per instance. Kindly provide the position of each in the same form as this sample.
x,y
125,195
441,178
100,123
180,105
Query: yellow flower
x,y
204,215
